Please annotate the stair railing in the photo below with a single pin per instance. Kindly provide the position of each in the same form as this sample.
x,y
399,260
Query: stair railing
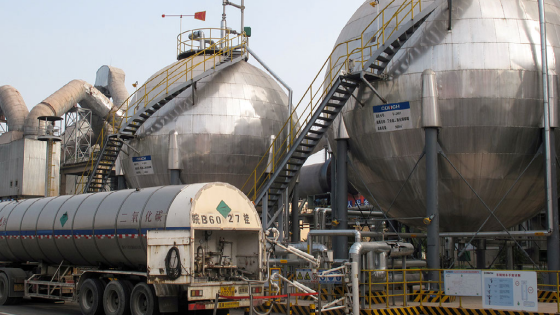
x,y
156,86
331,69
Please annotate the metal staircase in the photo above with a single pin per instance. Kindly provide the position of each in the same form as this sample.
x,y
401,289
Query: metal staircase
x,y
325,98
152,96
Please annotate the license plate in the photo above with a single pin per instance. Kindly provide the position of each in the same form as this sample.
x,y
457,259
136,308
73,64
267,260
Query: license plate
x,y
227,291
228,304
18,287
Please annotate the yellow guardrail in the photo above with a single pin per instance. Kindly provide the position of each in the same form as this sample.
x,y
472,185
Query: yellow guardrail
x,y
201,38
340,59
420,287
158,85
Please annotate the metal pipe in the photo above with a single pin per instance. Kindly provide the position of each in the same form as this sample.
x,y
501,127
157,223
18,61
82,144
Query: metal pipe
x,y
317,248
110,81
76,91
357,235
553,243
340,244
355,253
290,91
295,214
13,108
264,214
461,234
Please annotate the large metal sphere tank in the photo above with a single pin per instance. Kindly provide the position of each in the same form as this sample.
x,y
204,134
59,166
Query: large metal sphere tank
x,y
222,132
490,102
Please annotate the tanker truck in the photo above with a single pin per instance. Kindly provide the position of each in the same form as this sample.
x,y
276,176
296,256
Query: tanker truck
x,y
138,251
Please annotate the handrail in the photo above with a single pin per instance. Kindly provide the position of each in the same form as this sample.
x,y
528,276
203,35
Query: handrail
x,y
189,43
317,90
157,85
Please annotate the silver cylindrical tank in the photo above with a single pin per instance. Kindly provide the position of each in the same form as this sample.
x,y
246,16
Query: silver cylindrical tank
x,y
222,131
490,106
108,228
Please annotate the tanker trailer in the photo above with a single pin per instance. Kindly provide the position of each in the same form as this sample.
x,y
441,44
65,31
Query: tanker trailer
x,y
140,250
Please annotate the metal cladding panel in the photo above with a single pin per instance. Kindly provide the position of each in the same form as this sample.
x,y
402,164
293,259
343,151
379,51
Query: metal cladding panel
x,y
105,226
15,236
45,233
154,213
83,221
128,223
179,214
490,102
29,224
223,130
4,251
222,206
64,234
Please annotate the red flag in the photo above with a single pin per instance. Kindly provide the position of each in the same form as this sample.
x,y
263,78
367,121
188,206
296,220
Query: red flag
x,y
200,16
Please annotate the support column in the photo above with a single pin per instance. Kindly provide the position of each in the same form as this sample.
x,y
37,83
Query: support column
x,y
295,214
550,117
264,214
340,243
431,121
481,254
119,173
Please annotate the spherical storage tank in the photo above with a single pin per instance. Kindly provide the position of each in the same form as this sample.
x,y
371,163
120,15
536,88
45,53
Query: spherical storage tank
x,y
222,131
490,101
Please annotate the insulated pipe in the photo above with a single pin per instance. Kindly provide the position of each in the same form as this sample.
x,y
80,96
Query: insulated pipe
x,y
317,248
357,235
290,91
76,91
355,253
13,108
110,81
462,234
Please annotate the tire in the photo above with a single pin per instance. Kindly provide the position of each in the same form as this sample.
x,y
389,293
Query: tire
x,y
90,297
5,298
116,298
143,300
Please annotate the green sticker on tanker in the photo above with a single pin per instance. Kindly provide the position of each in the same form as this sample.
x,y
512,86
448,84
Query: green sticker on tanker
x,y
223,209
64,218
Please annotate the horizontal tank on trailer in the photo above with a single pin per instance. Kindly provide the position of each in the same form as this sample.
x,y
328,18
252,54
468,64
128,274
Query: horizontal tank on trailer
x,y
172,244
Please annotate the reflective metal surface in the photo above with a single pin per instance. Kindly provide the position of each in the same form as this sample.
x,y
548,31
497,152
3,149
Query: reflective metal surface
x,y
490,105
107,228
223,131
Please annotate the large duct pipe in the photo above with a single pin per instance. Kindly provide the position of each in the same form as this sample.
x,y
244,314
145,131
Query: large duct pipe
x,y
110,81
13,108
76,91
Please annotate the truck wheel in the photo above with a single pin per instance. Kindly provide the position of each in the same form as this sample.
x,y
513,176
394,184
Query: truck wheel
x,y
116,299
90,297
5,298
143,300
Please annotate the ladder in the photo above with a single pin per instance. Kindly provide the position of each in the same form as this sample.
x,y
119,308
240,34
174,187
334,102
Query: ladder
x,y
325,98
149,98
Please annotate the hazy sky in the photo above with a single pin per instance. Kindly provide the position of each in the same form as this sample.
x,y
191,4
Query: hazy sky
x,y
46,44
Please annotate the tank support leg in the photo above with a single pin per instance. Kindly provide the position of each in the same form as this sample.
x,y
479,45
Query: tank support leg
x,y
340,243
432,210
553,240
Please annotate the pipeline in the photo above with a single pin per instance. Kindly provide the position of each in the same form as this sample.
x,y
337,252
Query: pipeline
x,y
76,91
13,108
110,81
